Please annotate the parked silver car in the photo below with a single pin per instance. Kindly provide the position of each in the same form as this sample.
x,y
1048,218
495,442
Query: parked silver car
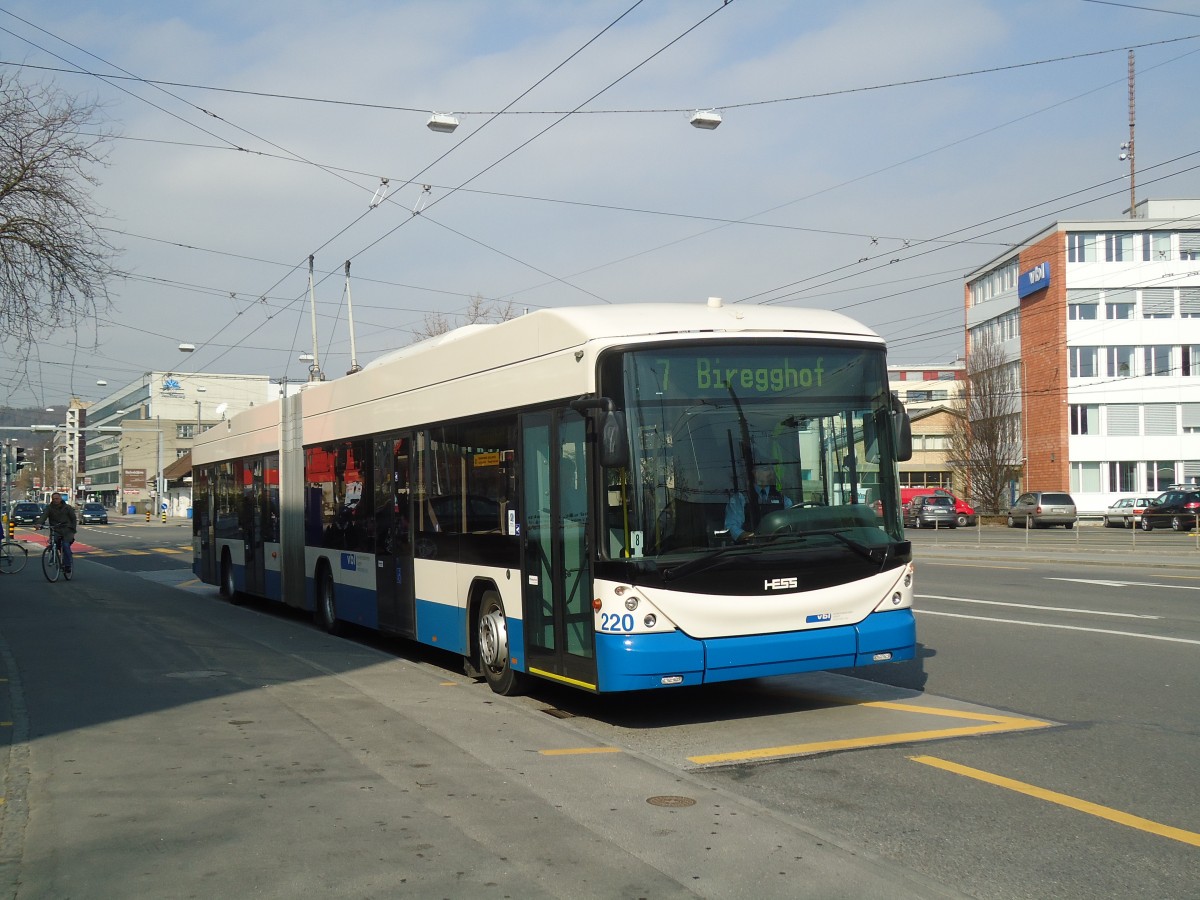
x,y
930,511
1034,509
1126,512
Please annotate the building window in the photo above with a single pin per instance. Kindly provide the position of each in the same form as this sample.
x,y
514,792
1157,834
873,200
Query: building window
x,y
1191,418
1083,305
1081,247
1085,419
1189,303
1156,360
1190,362
1158,303
1122,476
1161,420
1159,475
1156,247
1085,477
925,479
918,396
1082,362
1123,419
1189,245
1120,361
1118,248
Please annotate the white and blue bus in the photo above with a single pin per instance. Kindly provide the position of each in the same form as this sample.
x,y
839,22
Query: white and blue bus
x,y
568,495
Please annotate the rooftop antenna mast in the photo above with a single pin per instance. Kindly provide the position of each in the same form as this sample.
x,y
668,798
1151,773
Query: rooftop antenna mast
x,y
314,371
354,366
1128,148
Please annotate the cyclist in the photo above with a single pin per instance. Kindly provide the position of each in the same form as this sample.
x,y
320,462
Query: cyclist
x,y
61,517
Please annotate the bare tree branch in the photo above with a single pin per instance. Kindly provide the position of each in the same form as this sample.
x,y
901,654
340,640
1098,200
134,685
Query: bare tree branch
x,y
985,437
54,261
478,311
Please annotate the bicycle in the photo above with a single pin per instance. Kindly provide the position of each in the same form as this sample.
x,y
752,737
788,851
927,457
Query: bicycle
x,y
52,565
12,557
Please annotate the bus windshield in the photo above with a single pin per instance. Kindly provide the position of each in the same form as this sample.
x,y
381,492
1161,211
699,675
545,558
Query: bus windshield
x,y
755,444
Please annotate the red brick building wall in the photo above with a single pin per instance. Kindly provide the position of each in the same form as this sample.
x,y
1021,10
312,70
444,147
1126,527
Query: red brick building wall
x,y
1045,416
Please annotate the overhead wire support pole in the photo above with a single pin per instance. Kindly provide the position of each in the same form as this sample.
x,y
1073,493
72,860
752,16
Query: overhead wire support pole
x,y
354,366
314,371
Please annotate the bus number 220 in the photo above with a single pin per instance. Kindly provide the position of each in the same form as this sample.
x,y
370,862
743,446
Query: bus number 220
x,y
616,622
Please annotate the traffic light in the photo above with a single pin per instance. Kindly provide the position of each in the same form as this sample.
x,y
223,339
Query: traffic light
x,y
22,461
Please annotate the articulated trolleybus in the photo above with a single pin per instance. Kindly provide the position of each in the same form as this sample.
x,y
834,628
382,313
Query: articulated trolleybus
x,y
616,498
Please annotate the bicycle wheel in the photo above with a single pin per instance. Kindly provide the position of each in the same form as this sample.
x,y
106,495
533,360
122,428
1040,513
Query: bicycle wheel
x,y
12,557
50,567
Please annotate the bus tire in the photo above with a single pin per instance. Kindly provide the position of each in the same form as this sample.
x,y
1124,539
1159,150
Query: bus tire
x,y
495,660
228,585
325,605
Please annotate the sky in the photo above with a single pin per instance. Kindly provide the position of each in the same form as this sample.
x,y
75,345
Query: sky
x,y
871,153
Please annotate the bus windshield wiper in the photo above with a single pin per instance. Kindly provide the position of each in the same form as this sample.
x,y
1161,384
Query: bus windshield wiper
x,y
858,547
700,563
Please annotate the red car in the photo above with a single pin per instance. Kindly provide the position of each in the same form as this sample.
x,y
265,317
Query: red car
x,y
964,512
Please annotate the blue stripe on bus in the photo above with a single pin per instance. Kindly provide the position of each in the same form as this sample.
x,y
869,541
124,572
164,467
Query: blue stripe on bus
x,y
642,661
444,626
892,632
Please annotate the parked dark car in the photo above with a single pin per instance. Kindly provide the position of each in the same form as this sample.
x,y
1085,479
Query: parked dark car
x,y
1034,509
930,511
1176,509
26,513
93,514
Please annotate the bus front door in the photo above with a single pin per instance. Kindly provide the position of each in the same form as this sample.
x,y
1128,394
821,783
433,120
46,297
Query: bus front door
x,y
395,598
560,640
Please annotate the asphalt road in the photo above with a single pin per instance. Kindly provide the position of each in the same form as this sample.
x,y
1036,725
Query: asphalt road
x,y
167,744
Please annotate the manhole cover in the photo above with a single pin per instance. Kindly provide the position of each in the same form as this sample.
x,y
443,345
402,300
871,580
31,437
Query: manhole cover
x,y
671,801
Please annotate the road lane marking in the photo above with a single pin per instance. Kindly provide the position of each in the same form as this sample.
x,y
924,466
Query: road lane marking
x,y
1090,612
1149,637
937,562
992,723
1094,809
580,751
1173,587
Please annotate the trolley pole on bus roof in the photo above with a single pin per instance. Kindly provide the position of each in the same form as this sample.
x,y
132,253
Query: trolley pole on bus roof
x,y
354,366
314,371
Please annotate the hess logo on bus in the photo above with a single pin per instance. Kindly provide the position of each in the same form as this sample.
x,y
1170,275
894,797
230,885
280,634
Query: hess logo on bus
x,y
780,584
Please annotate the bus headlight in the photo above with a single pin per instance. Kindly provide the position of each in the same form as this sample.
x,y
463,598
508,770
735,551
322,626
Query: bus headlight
x,y
631,603
650,619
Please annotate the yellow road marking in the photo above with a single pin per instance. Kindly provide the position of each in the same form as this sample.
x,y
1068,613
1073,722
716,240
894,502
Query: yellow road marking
x,y
1094,809
994,723
579,751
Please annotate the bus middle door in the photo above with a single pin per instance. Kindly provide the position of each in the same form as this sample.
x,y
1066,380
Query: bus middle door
x,y
395,598
252,527
560,640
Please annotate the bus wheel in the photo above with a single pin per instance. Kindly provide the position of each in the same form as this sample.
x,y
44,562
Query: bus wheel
x,y
325,613
228,587
494,657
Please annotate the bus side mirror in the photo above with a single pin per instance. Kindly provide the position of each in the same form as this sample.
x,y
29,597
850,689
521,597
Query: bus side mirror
x,y
614,449
904,448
